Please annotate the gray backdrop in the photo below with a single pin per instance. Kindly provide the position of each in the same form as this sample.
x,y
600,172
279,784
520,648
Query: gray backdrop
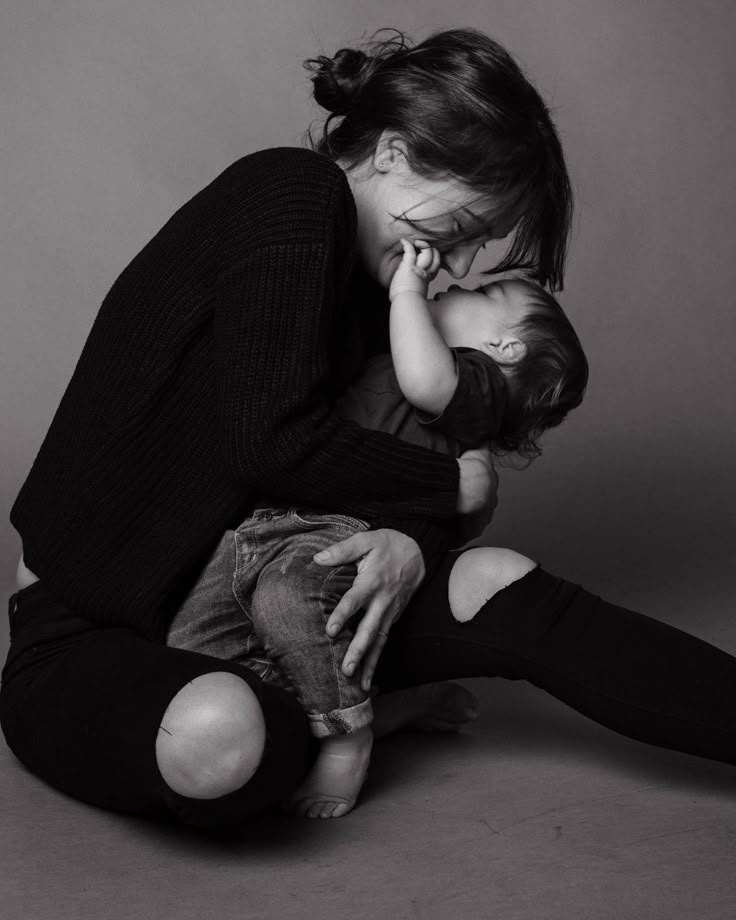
x,y
114,113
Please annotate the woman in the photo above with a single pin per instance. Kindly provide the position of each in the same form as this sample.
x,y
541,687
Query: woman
x,y
208,380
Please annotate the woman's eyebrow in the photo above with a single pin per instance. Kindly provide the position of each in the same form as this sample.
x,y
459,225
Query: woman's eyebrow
x,y
483,226
475,217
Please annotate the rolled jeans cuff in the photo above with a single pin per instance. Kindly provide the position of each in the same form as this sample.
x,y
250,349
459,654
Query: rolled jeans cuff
x,y
341,721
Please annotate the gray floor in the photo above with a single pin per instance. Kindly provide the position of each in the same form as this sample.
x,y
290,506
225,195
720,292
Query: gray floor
x,y
535,813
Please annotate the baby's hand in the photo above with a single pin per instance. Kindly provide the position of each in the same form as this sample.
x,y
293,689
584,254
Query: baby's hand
x,y
417,268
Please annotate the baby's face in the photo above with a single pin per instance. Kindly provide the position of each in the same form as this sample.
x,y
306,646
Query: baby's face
x,y
472,319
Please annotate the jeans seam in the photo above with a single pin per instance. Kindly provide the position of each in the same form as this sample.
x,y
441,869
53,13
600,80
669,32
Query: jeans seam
x,y
338,675
251,544
341,521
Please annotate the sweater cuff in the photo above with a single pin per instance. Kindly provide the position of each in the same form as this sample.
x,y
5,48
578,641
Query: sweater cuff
x,y
434,540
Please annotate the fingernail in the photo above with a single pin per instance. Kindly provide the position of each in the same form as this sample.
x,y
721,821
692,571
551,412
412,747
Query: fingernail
x,y
349,668
322,555
332,630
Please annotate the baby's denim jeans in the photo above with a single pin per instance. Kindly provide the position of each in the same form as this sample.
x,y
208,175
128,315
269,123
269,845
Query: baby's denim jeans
x,y
263,602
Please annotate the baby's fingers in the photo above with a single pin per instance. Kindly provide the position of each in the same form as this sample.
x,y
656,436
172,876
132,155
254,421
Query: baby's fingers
x,y
436,263
410,255
428,259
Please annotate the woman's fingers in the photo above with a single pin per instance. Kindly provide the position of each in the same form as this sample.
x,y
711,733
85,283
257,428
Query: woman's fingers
x,y
370,660
389,569
349,550
366,635
353,549
349,604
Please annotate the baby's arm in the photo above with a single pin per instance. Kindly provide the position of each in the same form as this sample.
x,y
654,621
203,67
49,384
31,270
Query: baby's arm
x,y
423,362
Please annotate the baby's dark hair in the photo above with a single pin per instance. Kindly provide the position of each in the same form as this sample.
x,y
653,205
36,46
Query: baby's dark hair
x,y
465,111
548,382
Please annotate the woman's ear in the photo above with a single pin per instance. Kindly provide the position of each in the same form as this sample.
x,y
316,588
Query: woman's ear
x,y
507,350
390,152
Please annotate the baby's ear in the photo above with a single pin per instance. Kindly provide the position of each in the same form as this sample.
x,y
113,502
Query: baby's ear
x,y
506,351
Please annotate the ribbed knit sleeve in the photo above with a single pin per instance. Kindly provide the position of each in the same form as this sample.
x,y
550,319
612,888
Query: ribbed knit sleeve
x,y
282,432
274,315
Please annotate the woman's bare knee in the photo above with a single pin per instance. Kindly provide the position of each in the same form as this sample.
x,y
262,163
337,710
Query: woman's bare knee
x,y
212,736
481,572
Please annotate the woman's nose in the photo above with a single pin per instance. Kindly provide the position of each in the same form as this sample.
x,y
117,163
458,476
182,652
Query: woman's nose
x,y
457,261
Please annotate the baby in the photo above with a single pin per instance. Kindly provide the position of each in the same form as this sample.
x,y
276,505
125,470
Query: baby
x,y
492,367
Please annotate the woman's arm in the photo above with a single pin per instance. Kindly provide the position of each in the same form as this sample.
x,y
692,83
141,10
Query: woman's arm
x,y
275,314
423,362
389,570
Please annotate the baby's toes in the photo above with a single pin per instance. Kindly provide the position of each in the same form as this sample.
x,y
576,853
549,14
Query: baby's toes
x,y
319,808
328,810
315,809
339,809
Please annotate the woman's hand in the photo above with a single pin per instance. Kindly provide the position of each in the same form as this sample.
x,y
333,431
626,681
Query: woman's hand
x,y
390,569
477,493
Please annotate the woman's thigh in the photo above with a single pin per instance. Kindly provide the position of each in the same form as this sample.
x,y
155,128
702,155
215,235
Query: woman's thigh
x,y
434,640
81,706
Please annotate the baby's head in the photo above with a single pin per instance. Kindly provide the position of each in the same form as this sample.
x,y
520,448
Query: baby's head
x,y
524,330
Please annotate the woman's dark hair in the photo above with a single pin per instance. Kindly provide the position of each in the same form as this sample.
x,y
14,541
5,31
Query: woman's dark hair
x,y
550,379
464,110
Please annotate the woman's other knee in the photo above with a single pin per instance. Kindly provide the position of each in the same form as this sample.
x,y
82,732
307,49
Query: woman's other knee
x,y
212,737
481,572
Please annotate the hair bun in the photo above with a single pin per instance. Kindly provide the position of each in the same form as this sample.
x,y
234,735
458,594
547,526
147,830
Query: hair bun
x,y
338,80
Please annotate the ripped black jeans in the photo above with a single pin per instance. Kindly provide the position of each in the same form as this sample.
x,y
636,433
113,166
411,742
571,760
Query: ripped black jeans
x,y
81,705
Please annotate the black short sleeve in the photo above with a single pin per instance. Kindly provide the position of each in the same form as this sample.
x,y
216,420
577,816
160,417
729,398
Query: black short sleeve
x,y
475,413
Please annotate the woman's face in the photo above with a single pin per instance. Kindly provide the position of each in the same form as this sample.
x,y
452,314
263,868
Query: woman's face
x,y
393,202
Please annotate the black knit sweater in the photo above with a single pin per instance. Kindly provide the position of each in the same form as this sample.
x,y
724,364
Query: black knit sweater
x,y
209,378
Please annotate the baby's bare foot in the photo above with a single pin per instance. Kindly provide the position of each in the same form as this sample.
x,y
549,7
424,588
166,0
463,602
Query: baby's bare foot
x,y
332,785
438,707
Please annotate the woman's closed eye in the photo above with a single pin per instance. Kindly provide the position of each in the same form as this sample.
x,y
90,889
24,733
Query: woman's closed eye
x,y
438,236
435,231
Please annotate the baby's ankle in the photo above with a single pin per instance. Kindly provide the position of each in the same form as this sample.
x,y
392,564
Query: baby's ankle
x,y
331,788
357,742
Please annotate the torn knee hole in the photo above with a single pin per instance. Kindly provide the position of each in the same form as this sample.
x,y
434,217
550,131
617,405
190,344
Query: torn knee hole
x,y
479,574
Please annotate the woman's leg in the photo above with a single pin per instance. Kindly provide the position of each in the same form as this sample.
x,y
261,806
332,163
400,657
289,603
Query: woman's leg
x,y
123,723
490,612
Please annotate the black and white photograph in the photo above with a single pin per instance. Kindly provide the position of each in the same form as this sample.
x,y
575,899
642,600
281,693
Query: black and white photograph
x,y
369,435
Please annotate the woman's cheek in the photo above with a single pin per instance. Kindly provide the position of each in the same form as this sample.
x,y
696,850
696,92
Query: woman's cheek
x,y
395,258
